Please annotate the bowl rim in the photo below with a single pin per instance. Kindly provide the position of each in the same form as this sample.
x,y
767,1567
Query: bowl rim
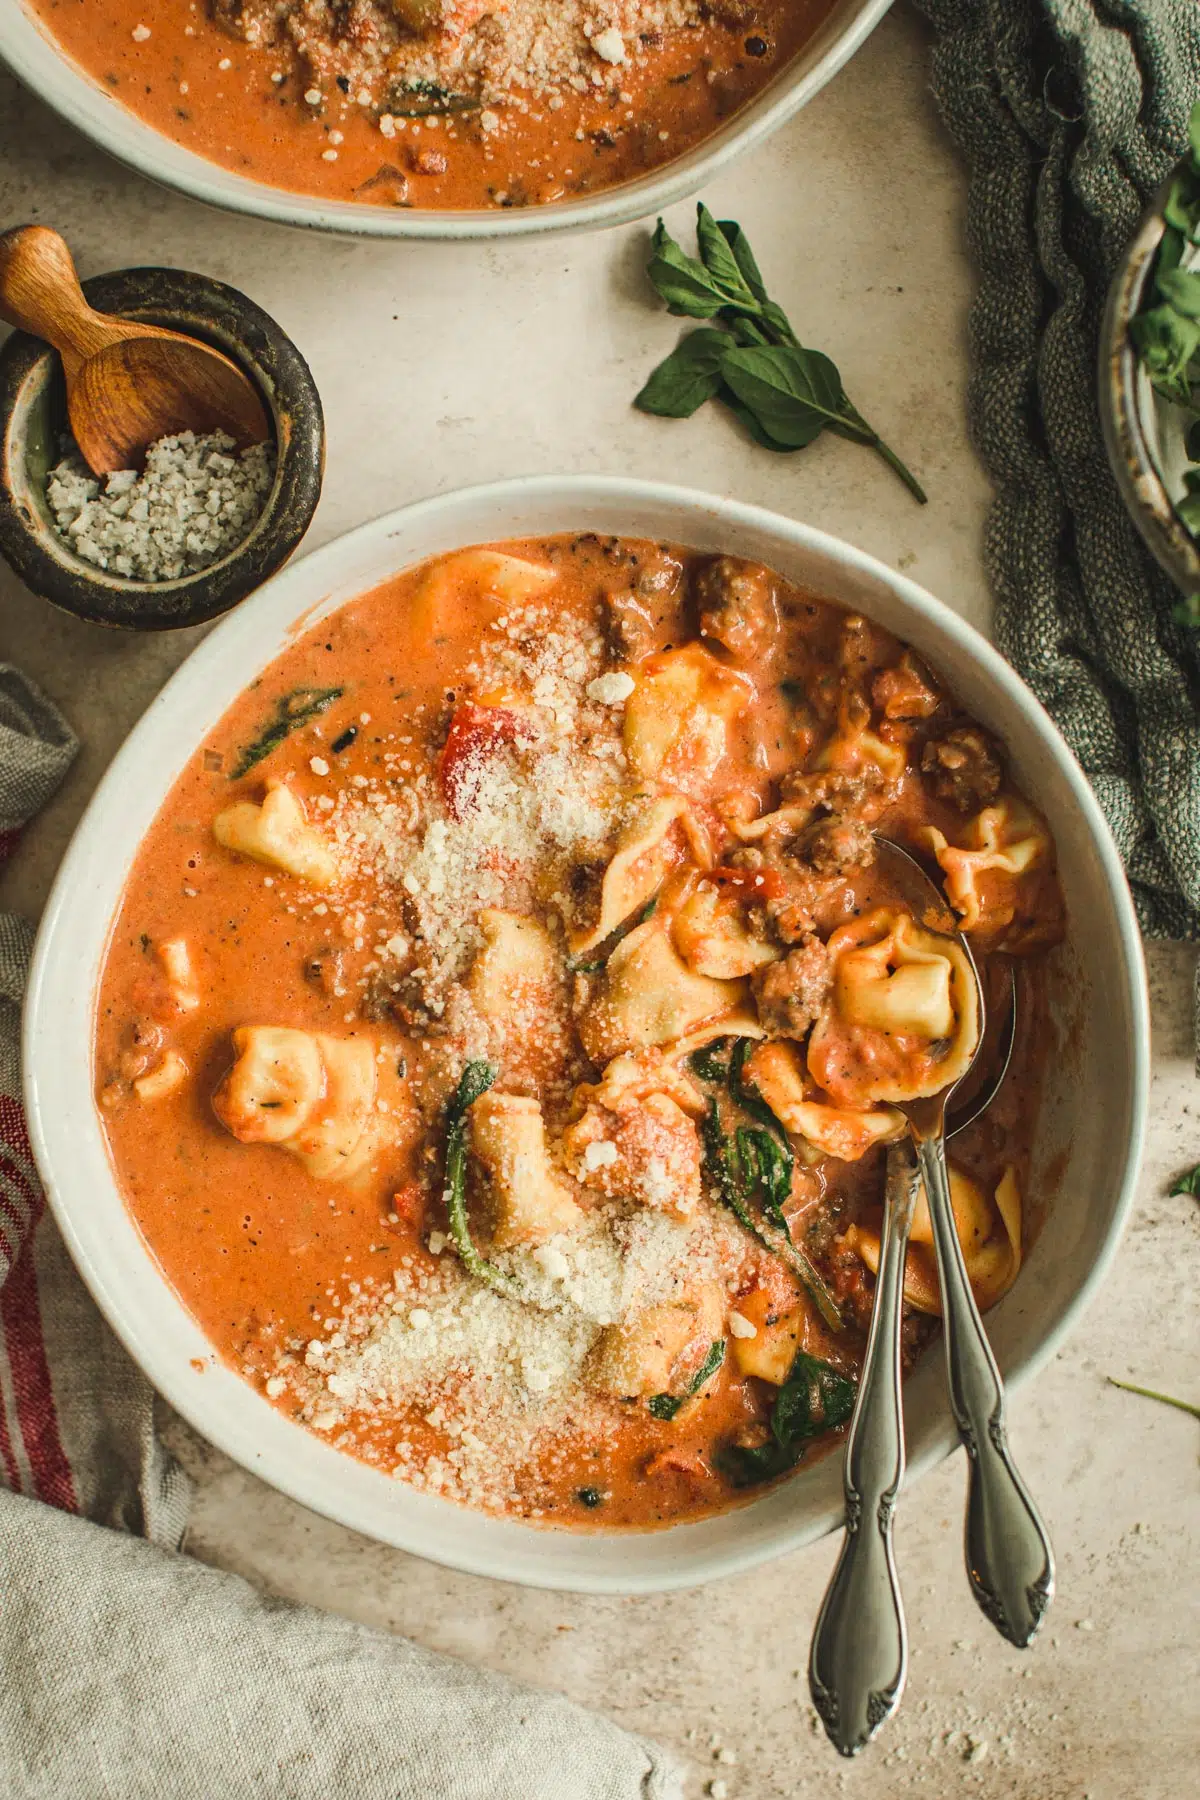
x,y
319,570
31,53
1122,388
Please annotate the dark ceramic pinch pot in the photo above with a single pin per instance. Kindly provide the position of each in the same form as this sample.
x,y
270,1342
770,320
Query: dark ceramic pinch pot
x,y
33,419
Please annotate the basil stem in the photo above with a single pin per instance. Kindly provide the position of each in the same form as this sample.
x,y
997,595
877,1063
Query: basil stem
x,y
1150,1394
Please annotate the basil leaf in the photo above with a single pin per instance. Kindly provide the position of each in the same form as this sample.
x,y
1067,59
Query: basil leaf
x,y
1166,343
814,1399
685,284
665,1406
292,711
794,394
718,258
1188,1182
689,376
743,256
748,420
476,1079
1180,288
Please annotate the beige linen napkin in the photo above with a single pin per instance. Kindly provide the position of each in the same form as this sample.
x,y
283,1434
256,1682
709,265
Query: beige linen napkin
x,y
130,1671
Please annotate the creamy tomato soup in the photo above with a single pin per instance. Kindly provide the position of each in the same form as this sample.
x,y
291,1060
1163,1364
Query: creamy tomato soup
x,y
501,1035
434,103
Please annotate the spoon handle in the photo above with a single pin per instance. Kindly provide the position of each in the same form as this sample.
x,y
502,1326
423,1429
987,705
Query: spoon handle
x,y
859,1655
40,293
1009,1560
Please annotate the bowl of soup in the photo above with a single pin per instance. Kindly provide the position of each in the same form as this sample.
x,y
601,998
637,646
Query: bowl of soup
x,y
464,1040
432,118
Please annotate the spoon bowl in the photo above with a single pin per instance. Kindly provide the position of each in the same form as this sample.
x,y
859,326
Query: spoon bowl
x,y
128,383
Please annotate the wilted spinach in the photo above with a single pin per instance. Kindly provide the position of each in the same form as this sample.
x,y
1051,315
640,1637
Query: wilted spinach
x,y
665,1406
815,1398
476,1079
292,711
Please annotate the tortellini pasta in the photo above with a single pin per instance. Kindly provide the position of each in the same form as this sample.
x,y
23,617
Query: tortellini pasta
x,y
777,1071
311,1094
277,833
677,718
904,1018
487,582
649,847
659,1348
527,1200
1006,841
648,996
169,1073
712,934
632,1134
990,1235
518,955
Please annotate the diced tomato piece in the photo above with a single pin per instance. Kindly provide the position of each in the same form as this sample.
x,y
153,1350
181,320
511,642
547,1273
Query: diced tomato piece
x,y
476,735
749,884
408,1204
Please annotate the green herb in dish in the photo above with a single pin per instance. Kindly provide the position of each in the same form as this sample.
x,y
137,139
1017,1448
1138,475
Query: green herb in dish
x,y
419,99
723,1165
665,1406
783,393
292,711
814,1399
475,1079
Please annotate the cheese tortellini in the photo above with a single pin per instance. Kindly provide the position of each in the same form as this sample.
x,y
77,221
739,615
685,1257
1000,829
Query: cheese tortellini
x,y
904,1019
311,1094
987,876
777,1071
989,1232
648,996
527,1200
277,833
678,716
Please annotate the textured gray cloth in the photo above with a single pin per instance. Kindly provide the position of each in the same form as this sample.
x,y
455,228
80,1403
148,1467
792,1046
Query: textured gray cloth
x,y
129,1672
1069,113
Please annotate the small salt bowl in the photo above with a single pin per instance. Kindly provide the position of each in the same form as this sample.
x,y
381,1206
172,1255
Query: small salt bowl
x,y
33,422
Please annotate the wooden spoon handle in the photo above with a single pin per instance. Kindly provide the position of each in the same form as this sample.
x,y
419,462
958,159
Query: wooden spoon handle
x,y
40,293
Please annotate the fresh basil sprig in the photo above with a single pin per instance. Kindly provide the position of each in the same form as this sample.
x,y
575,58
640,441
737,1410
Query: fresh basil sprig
x,y
665,1406
814,1399
783,393
476,1079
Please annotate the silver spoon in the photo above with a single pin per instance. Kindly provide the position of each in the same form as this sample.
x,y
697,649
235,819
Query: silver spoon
x,y
859,1656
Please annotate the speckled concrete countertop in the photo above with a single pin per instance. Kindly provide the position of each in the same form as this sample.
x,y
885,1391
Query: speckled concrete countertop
x,y
441,366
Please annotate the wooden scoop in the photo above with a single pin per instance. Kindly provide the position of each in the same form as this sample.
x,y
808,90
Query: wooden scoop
x,y
127,384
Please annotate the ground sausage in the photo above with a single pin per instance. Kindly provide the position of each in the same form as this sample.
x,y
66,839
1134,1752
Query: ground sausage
x,y
737,606
835,844
791,994
964,767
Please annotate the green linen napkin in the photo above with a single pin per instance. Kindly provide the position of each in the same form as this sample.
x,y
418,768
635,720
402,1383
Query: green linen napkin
x,y
1069,114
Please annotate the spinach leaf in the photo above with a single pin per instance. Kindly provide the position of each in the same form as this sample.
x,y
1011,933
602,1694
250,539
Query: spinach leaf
x,y
1188,1182
420,99
723,1165
708,1062
476,1079
1166,343
814,1399
1150,1394
782,392
292,711
665,1406
689,376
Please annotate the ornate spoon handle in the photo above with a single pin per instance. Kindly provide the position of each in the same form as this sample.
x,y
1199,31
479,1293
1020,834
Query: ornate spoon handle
x,y
1009,1560
859,1655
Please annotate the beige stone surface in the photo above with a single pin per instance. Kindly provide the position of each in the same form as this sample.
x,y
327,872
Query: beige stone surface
x,y
443,365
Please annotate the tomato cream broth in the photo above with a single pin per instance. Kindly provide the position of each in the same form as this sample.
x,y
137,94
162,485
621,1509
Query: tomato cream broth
x,y
343,102
590,821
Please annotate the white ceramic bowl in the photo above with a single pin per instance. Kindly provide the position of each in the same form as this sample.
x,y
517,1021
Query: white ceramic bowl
x,y
32,55
1092,1116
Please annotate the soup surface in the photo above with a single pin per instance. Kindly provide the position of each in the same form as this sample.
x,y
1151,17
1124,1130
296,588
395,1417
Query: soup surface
x,y
500,1035
434,103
